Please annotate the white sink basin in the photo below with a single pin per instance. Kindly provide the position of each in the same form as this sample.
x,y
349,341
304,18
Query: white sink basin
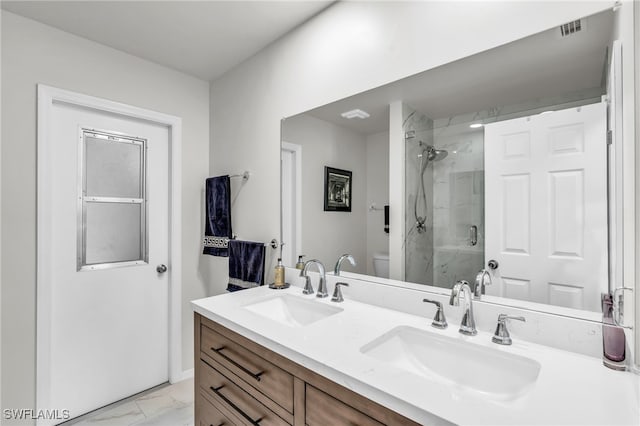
x,y
293,311
492,372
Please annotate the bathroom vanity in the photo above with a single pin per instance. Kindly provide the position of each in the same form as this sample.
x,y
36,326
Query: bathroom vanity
x,y
280,357
239,381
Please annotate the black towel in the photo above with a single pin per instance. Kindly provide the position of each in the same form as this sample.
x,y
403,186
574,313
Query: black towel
x,y
217,227
386,219
246,265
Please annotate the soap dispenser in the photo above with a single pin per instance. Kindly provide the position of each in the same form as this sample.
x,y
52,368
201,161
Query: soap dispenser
x,y
613,338
279,274
300,264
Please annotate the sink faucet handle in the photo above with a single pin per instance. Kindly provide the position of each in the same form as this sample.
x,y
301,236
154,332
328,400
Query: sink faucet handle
x,y
337,293
501,336
308,288
439,320
503,317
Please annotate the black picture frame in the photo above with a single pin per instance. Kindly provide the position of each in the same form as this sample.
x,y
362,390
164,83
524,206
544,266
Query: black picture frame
x,y
337,190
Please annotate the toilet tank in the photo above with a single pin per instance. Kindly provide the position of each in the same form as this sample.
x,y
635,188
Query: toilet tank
x,y
381,265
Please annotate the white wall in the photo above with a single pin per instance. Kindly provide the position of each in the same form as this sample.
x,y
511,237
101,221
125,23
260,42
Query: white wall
x,y
348,48
636,19
378,193
327,235
33,53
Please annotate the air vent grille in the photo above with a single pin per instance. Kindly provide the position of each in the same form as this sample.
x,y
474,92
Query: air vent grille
x,y
570,28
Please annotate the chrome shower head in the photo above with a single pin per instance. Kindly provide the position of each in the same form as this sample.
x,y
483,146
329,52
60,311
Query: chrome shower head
x,y
437,154
432,154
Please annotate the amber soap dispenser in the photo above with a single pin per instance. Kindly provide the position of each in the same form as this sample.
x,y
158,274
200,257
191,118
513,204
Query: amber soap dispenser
x,y
279,274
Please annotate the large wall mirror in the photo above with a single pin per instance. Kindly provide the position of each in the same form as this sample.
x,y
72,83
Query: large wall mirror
x,y
504,157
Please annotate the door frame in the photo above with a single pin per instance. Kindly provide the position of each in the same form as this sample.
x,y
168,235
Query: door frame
x,y
47,96
296,151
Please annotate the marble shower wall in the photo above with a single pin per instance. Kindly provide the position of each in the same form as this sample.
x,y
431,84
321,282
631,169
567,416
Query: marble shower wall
x,y
458,200
418,247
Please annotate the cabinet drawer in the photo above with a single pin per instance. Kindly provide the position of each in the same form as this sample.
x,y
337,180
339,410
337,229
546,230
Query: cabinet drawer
x,y
234,399
259,373
210,415
323,409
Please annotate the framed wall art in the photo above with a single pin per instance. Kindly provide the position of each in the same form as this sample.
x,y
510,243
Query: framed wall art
x,y
337,190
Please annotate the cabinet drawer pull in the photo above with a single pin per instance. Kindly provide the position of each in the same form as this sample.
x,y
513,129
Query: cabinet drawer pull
x,y
246,370
234,406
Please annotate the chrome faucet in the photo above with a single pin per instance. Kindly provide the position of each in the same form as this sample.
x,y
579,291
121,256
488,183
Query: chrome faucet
x,y
439,320
336,270
322,286
478,289
468,324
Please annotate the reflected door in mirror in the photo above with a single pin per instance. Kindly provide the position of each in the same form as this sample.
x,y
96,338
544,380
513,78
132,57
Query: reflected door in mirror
x,y
546,206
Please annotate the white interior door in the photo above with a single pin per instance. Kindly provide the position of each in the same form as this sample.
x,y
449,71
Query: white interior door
x,y
109,323
546,206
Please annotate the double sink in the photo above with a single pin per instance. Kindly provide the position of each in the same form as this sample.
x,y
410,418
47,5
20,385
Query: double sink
x,y
428,355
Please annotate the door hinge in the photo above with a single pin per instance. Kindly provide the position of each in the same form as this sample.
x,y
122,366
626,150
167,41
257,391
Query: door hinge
x,y
609,137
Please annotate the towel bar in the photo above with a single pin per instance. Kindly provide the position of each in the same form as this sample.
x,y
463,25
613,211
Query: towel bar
x,y
373,207
245,175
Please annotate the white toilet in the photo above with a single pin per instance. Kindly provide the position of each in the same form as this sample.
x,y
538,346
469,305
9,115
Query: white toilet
x,y
381,265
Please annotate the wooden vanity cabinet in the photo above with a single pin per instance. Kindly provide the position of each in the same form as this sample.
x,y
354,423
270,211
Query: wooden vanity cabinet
x,y
239,382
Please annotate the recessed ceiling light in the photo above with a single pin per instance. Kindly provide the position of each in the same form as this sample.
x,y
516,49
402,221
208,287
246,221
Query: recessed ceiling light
x,y
476,125
355,113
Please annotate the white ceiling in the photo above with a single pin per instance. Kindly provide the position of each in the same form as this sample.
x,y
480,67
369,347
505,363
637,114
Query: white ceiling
x,y
201,38
538,68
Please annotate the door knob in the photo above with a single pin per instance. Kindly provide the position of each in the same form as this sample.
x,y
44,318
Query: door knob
x,y
493,264
161,268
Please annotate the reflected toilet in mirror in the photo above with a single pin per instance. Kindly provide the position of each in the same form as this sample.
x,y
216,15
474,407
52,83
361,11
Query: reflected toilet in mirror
x,y
381,265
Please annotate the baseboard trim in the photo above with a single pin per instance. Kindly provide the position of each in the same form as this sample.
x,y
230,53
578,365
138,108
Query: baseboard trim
x,y
185,375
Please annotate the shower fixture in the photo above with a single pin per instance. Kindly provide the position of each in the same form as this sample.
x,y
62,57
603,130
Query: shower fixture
x,y
428,154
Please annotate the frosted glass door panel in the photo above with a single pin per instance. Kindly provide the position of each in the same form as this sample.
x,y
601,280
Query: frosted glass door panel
x,y
112,216
113,169
113,233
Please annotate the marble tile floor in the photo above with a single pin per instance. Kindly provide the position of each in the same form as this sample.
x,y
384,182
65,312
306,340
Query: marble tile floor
x,y
164,405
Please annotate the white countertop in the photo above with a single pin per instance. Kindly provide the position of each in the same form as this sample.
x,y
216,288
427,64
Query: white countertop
x,y
571,388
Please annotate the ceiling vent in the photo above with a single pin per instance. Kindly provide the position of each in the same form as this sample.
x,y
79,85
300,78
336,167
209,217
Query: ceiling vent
x,y
571,28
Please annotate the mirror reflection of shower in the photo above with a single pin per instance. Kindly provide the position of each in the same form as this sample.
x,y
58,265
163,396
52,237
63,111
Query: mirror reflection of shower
x,y
428,154
444,198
